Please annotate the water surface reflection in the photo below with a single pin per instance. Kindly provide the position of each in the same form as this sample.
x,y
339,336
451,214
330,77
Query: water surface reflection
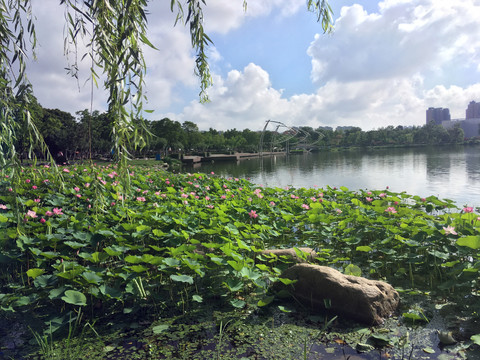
x,y
446,172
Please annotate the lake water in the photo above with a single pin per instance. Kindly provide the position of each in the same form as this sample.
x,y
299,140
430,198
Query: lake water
x,y
446,172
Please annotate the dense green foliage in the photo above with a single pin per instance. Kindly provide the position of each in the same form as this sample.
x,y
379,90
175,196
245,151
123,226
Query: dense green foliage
x,y
90,134
115,34
181,239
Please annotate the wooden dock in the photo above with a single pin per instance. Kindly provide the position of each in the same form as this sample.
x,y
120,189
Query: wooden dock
x,y
187,159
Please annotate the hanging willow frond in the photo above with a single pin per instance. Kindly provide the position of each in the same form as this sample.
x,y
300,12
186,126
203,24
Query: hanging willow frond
x,y
324,13
115,32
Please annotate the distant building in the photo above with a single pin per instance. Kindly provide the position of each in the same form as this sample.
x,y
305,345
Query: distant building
x,y
438,115
471,127
473,111
471,123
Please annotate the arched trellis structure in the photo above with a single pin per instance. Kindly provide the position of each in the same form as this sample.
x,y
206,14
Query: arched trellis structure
x,y
284,136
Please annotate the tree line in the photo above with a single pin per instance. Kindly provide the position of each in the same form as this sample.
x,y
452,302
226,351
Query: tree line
x,y
88,135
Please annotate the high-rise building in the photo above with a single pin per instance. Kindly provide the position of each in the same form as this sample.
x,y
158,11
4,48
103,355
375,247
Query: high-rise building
x,y
437,115
473,110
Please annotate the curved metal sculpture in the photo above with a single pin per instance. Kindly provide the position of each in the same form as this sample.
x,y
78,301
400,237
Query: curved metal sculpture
x,y
286,135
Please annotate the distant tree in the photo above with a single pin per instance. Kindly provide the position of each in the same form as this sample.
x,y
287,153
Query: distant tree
x,y
169,130
456,134
115,33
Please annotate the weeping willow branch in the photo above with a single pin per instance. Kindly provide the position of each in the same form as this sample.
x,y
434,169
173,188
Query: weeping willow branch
x,y
324,13
114,45
17,127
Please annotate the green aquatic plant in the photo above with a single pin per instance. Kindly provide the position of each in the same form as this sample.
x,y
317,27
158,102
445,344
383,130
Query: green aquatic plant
x,y
179,240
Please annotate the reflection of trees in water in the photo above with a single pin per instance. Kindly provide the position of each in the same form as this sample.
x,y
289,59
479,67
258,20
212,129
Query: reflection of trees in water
x,y
441,161
452,172
472,163
243,168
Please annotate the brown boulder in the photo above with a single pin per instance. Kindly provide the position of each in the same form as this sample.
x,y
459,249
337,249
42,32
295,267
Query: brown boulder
x,y
364,300
292,254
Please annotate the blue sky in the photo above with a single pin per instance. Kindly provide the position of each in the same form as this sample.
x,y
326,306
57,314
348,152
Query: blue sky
x,y
385,63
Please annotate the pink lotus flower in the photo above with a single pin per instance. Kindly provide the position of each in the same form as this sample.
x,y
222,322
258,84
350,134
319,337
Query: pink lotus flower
x,y
66,170
3,207
48,213
141,198
338,211
34,187
43,221
223,197
382,195
369,199
305,206
272,203
449,230
76,188
57,211
391,210
36,200
468,209
27,181
253,214
32,214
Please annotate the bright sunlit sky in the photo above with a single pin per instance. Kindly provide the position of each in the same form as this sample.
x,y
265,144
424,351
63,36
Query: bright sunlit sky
x,y
385,63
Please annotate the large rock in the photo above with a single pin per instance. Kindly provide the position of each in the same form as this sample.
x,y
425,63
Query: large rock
x,y
364,300
292,254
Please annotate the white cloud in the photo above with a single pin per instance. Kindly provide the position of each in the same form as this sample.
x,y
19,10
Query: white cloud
x,y
379,68
242,100
52,85
403,38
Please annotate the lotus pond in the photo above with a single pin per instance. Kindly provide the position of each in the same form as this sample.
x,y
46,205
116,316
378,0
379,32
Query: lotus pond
x,y
159,265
